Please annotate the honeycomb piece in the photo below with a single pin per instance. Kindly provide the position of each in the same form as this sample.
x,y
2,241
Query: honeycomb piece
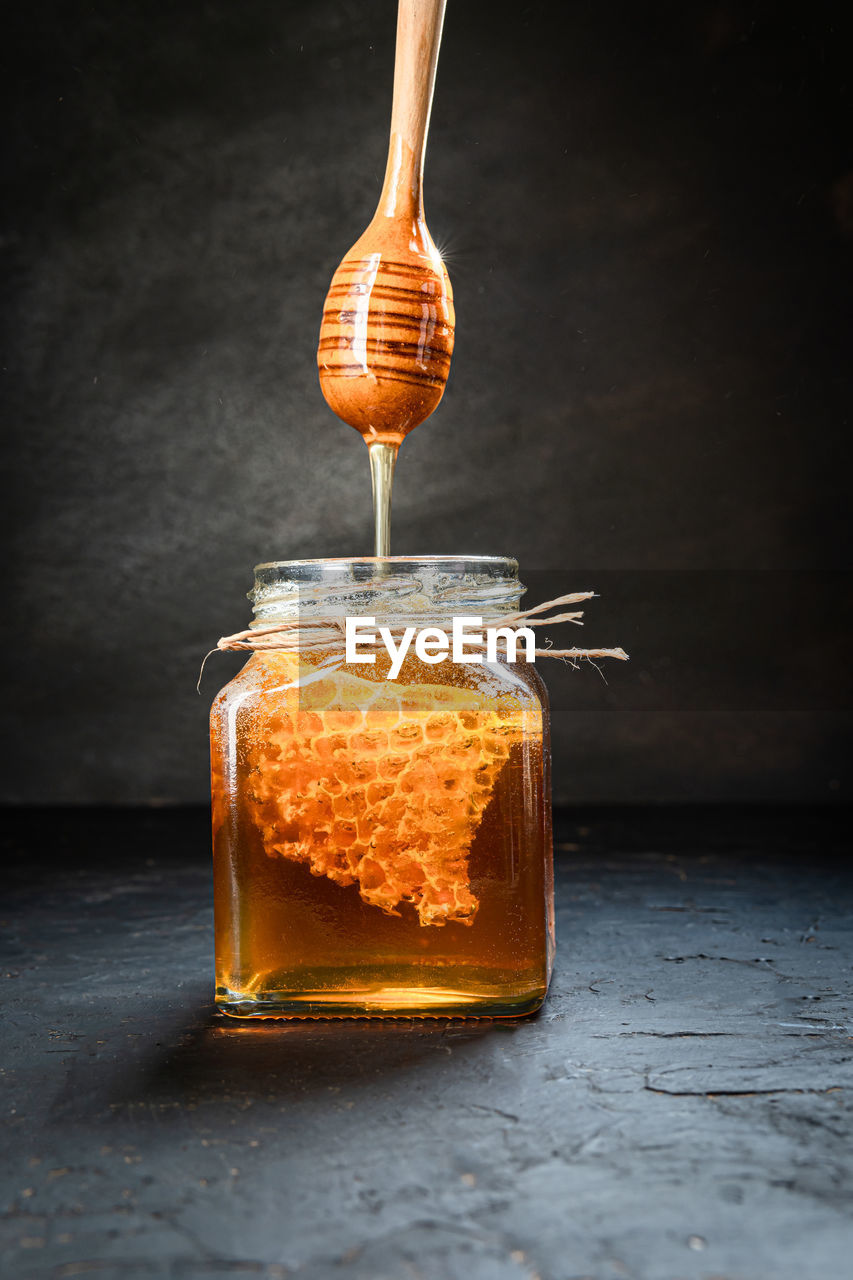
x,y
381,786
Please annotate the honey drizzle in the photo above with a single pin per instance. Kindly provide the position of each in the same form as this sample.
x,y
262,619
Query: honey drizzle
x,y
383,459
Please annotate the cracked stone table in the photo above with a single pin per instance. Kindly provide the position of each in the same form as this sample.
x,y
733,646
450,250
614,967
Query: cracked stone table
x,y
680,1108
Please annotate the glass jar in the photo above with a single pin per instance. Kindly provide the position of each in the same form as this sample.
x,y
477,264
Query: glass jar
x,y
381,847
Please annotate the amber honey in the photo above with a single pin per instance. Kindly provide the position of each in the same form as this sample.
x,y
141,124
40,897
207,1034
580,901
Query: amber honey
x,y
381,847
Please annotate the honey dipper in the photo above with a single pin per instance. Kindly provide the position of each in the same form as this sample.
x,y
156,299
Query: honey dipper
x,y
387,332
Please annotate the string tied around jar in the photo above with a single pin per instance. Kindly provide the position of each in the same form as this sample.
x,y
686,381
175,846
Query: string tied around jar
x,y
298,634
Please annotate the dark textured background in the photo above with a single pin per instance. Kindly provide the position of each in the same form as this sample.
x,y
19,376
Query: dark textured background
x,y
647,213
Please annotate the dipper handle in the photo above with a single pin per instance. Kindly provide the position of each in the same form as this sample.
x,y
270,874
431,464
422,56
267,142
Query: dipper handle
x,y
419,24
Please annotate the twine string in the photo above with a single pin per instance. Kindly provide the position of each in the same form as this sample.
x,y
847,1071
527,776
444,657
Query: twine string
x,y
292,635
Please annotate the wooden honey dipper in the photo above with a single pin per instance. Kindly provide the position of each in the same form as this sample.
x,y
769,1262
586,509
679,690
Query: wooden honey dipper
x,y
387,332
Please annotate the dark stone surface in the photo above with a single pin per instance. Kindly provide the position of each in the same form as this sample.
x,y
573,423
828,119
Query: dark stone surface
x,y
680,1108
647,212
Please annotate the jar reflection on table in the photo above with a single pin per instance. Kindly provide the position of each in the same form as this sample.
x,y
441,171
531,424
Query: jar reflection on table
x,y
382,847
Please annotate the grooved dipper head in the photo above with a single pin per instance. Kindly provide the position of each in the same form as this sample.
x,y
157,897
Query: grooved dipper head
x,y
387,333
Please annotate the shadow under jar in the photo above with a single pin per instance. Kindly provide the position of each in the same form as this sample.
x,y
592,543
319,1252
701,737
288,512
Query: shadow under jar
x,y
381,847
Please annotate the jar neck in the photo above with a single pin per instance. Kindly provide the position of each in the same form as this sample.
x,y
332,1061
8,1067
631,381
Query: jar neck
x,y
423,591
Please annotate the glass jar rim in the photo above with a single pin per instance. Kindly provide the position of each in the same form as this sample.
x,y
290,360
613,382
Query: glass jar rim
x,y
449,562
437,584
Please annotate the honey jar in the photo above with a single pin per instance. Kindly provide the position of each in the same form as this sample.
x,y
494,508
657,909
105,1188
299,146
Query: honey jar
x,y
381,846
